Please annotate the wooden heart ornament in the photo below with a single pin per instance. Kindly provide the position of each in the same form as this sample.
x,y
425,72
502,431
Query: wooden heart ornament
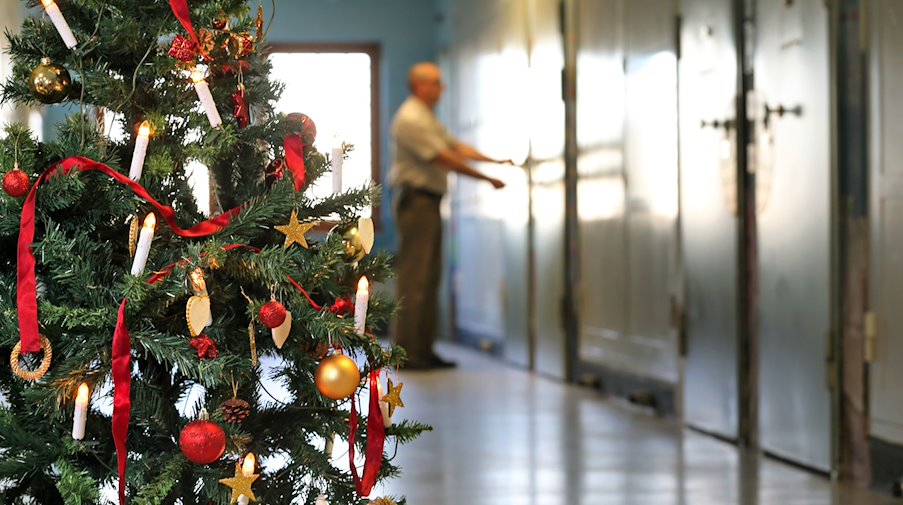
x,y
198,314
280,333
367,233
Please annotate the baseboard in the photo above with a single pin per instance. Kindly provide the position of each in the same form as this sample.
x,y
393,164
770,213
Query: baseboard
x,y
642,391
479,341
887,466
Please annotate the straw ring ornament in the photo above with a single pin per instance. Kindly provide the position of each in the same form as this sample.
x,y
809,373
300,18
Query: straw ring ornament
x,y
35,375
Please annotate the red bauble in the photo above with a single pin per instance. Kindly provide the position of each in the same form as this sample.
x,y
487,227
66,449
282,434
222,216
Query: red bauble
x,y
272,314
16,183
202,442
305,126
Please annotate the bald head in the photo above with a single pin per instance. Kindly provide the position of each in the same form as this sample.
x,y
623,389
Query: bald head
x,y
425,81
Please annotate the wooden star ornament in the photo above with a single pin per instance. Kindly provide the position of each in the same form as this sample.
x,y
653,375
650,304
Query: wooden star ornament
x,y
393,397
294,231
240,484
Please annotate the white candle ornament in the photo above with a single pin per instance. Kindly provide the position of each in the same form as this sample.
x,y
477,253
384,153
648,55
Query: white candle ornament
x,y
360,305
247,469
144,243
203,90
336,159
330,445
383,406
53,10
81,412
140,151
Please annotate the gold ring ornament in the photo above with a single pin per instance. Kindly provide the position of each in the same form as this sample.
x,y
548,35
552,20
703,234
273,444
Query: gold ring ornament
x,y
35,375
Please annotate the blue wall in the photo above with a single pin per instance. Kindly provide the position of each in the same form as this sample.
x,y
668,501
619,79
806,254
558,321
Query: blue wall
x,y
406,32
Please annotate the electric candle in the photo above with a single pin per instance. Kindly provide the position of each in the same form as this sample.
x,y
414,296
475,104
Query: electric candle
x,y
81,412
203,90
336,160
247,469
53,10
140,151
360,305
144,243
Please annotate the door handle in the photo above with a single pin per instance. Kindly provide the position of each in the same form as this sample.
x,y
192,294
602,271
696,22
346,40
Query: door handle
x,y
726,124
781,111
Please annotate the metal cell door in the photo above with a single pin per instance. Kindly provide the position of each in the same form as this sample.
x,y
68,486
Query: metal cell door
x,y
710,231
886,110
548,191
793,163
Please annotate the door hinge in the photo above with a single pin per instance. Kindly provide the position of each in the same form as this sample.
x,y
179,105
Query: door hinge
x,y
871,333
830,363
679,324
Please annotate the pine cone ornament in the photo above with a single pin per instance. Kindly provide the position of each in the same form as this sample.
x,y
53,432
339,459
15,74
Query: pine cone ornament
x,y
236,410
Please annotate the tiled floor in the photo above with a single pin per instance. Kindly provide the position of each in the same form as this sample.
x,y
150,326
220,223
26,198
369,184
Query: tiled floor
x,y
506,437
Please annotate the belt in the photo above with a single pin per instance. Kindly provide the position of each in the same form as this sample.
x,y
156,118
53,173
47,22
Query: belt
x,y
421,191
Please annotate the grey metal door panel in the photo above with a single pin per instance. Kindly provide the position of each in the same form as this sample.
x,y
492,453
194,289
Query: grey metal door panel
x,y
547,148
627,191
709,227
491,227
793,161
601,190
886,111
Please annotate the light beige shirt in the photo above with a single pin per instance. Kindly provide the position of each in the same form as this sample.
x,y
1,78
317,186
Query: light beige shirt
x,y
418,138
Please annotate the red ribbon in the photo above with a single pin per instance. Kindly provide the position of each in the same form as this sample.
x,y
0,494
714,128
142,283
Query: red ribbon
x,y
294,158
26,294
122,398
180,9
376,439
121,362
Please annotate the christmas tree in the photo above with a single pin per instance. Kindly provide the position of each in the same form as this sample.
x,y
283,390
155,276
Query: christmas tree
x,y
132,314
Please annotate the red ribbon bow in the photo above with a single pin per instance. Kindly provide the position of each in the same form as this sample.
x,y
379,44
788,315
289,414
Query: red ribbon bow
x,y
180,9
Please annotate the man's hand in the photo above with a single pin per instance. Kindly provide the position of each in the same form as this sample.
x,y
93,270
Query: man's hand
x,y
496,183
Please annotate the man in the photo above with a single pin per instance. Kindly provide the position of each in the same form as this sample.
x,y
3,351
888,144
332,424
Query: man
x,y
424,154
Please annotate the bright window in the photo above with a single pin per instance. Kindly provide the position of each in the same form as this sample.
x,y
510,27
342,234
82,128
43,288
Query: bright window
x,y
335,90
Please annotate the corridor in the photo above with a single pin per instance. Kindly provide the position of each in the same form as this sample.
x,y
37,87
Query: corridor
x,y
506,437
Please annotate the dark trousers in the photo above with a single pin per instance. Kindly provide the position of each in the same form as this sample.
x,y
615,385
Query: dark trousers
x,y
418,267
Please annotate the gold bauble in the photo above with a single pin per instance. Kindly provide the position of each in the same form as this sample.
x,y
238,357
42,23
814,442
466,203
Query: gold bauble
x,y
337,377
351,239
49,82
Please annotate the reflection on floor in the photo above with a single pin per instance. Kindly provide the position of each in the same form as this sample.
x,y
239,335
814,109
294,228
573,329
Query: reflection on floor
x,y
506,437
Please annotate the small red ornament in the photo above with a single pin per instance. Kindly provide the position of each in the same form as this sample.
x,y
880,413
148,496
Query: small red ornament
x,y
305,126
183,48
275,171
202,442
240,66
205,346
272,314
342,306
239,45
16,183
240,109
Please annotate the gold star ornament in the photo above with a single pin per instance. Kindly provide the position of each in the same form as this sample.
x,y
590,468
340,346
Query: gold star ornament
x,y
393,397
241,484
294,231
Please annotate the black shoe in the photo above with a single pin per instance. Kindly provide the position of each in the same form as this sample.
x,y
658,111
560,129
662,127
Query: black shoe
x,y
441,363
